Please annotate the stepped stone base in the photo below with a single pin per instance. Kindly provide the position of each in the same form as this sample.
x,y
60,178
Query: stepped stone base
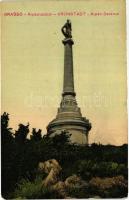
x,y
77,128
69,118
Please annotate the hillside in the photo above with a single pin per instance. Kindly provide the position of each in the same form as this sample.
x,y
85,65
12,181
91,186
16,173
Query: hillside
x,y
102,168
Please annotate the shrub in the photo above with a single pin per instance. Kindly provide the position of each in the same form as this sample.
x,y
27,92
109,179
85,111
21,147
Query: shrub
x,y
89,168
76,192
34,190
115,187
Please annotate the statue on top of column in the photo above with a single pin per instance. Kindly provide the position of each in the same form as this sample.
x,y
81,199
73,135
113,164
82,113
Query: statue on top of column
x,y
67,29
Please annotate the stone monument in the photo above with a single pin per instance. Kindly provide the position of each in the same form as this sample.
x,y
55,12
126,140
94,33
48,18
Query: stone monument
x,y
69,116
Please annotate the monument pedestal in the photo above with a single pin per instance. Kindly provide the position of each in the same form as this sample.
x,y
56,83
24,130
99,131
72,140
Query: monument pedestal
x,y
69,118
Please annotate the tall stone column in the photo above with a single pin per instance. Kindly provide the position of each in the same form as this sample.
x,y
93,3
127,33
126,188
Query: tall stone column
x,y
68,86
69,116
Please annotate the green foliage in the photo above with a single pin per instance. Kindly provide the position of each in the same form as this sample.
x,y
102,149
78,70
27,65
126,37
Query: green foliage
x,y
4,120
36,135
21,133
115,187
89,168
20,158
61,139
6,134
27,189
92,192
79,193
34,190
7,154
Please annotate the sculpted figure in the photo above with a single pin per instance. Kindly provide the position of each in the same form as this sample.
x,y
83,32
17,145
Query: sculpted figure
x,y
67,29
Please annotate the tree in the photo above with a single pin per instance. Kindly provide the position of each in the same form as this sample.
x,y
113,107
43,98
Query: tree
x,y
6,134
61,139
7,156
36,135
21,133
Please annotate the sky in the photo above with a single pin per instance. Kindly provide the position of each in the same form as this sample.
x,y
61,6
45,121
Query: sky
x,y
32,65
